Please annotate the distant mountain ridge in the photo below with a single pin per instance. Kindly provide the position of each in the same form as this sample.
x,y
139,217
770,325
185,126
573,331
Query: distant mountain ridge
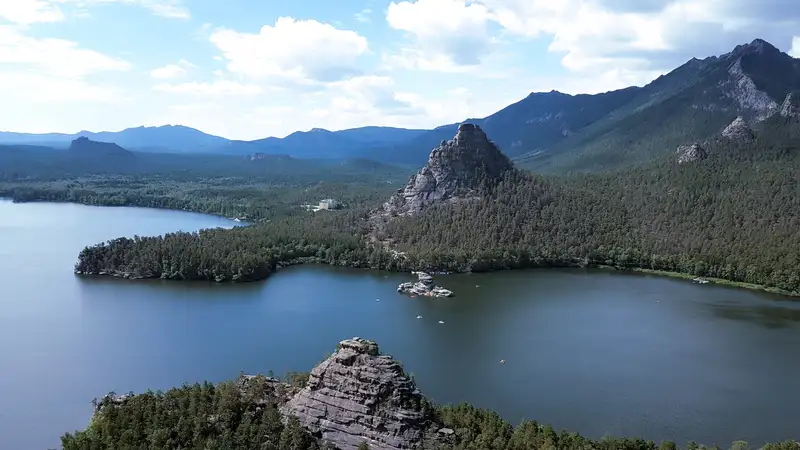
x,y
546,131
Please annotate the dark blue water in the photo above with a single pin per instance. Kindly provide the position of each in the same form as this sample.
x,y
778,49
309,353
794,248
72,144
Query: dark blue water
x,y
592,351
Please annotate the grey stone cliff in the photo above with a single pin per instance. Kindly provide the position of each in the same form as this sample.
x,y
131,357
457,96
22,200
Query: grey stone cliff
x,y
738,131
455,171
791,106
358,395
691,153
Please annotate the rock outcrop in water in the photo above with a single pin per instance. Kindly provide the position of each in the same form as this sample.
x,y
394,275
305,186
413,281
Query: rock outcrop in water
x,y
456,169
358,395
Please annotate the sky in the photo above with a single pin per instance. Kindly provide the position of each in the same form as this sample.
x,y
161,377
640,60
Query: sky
x,y
248,69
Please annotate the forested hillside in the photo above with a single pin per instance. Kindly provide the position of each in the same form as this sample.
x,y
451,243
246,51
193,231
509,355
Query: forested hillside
x,y
734,215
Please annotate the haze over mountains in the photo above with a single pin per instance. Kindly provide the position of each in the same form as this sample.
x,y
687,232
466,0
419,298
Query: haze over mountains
x,y
548,131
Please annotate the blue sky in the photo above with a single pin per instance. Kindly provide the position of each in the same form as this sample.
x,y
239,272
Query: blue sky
x,y
248,69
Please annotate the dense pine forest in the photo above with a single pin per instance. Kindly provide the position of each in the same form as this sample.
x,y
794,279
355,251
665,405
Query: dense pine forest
x,y
224,416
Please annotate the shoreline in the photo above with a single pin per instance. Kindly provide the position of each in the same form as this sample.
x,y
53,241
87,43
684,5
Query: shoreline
x,y
794,296
717,281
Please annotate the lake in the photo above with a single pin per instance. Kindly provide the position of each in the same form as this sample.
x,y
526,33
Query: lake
x,y
589,350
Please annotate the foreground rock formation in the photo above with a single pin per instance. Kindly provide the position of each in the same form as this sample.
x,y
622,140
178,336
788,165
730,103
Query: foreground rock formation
x,y
358,395
455,171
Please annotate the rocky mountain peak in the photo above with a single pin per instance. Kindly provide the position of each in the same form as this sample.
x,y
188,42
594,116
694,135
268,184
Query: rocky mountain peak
x,y
358,395
738,131
456,169
757,46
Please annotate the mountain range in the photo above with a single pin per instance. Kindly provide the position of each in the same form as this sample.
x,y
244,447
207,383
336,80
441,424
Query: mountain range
x,y
549,131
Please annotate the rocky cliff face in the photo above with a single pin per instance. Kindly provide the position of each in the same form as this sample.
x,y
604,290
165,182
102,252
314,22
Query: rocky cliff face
x,y
358,395
455,171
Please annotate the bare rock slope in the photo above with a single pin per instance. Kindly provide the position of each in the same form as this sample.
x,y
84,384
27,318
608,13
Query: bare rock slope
x,y
358,395
455,170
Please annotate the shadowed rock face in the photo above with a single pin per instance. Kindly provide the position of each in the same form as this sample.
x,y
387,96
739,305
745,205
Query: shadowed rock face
x,y
358,395
455,170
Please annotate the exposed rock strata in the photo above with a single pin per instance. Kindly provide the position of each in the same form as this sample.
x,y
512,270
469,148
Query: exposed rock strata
x,y
358,395
455,171
791,106
691,153
738,131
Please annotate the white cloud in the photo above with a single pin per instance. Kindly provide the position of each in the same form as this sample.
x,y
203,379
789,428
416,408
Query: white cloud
x,y
795,51
445,33
369,93
214,88
172,71
302,51
167,72
26,12
364,15
55,57
640,39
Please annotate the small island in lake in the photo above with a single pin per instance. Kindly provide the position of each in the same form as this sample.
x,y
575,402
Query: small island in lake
x,y
424,286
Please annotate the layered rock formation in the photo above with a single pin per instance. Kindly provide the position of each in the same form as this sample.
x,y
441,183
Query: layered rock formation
x,y
791,106
738,131
358,395
691,153
455,171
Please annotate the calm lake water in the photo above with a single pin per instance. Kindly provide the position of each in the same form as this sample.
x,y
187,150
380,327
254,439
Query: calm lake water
x,y
591,351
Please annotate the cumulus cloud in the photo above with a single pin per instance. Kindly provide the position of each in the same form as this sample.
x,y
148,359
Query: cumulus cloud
x,y
444,33
621,41
303,51
795,51
645,37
